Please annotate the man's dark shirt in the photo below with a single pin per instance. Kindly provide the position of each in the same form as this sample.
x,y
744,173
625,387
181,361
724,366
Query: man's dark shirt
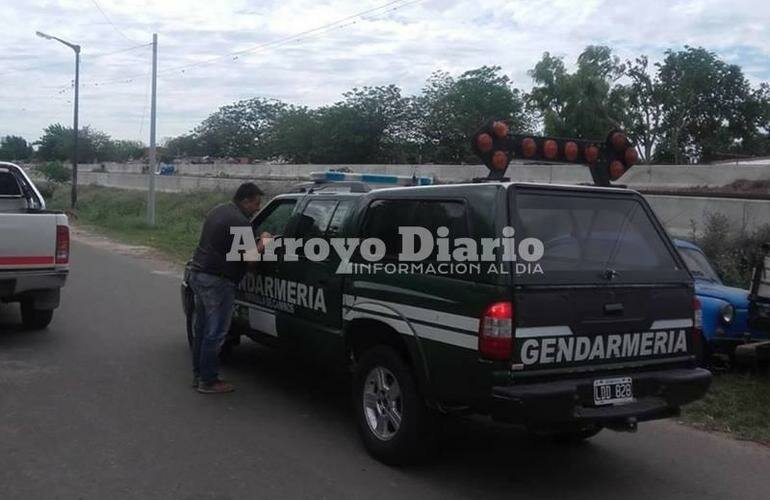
x,y
215,243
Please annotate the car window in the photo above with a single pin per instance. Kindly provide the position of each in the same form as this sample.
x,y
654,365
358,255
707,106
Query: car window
x,y
586,236
698,264
274,217
338,219
8,185
315,218
384,217
382,220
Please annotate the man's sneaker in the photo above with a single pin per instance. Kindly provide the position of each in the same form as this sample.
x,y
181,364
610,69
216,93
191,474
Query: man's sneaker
x,y
216,387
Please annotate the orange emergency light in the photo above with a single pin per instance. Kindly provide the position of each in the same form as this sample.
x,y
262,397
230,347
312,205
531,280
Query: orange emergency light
x,y
608,160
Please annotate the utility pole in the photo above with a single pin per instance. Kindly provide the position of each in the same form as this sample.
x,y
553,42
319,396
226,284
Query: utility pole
x,y
76,48
151,168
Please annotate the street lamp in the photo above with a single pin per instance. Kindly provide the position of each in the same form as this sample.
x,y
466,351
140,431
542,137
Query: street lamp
x,y
76,48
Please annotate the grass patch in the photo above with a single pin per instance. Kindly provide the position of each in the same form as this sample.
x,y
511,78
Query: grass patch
x,y
737,404
121,214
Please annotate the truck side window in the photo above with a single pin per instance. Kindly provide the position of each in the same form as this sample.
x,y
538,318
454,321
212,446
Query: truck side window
x,y
384,217
315,218
340,214
274,218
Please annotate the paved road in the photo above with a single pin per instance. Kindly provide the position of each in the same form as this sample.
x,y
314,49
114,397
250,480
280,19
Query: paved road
x,y
98,406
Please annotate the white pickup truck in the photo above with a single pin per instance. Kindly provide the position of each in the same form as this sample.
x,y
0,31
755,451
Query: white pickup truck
x,y
34,248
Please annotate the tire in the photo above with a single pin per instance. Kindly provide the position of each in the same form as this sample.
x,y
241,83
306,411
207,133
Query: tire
x,y
35,319
395,425
567,436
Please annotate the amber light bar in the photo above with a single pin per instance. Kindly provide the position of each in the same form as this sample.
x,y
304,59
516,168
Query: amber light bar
x,y
608,160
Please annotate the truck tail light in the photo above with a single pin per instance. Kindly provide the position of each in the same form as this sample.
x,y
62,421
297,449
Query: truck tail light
x,y
697,324
496,332
62,245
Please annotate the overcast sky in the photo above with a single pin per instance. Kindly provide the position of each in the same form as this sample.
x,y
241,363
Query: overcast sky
x,y
402,46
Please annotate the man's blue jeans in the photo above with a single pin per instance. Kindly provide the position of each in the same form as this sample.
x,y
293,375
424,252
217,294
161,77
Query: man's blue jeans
x,y
214,298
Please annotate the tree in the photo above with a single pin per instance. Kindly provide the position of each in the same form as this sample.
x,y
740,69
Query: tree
x,y
703,100
13,148
387,116
293,134
368,126
643,107
586,103
183,145
56,143
125,150
238,129
450,110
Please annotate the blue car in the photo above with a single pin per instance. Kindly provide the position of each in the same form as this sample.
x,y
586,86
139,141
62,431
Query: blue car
x,y
725,308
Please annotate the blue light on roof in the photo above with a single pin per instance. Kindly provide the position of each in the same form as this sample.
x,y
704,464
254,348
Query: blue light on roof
x,y
380,179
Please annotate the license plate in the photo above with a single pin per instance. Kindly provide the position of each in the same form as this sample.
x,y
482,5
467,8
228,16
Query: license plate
x,y
612,391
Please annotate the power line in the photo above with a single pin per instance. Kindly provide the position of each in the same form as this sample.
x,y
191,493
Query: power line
x,y
106,17
297,37
85,56
289,38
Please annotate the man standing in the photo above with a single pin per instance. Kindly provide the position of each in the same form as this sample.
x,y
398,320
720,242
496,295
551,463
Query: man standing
x,y
213,281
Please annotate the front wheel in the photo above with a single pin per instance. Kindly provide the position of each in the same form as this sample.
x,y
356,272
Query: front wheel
x,y
35,319
394,423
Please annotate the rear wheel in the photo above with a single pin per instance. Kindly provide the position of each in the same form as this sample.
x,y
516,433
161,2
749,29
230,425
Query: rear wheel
x,y
35,319
394,423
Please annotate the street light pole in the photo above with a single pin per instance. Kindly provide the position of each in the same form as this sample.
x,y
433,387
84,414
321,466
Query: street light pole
x,y
76,48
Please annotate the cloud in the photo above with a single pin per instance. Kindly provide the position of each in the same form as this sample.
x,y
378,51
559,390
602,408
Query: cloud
x,y
401,46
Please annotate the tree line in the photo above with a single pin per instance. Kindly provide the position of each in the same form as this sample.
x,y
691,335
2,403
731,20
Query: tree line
x,y
690,107
56,143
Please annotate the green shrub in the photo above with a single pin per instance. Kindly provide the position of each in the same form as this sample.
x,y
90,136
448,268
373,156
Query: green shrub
x,y
46,189
732,252
55,171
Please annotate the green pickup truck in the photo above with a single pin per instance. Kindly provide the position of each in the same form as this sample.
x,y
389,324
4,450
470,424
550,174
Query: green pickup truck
x,y
598,329
563,309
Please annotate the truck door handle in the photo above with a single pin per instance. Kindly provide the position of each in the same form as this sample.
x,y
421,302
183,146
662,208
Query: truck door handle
x,y
616,308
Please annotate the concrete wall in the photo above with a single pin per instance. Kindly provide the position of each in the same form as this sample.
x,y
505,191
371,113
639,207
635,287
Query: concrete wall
x,y
679,214
682,214
178,183
639,177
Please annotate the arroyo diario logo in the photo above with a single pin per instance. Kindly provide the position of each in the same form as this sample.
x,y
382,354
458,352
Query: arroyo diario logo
x,y
421,251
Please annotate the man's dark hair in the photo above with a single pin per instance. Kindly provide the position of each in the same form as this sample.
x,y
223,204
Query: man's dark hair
x,y
247,191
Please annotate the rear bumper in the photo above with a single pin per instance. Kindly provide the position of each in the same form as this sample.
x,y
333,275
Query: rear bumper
x,y
16,283
658,394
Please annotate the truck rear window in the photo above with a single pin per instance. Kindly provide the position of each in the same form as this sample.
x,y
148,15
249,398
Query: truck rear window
x,y
589,238
8,184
